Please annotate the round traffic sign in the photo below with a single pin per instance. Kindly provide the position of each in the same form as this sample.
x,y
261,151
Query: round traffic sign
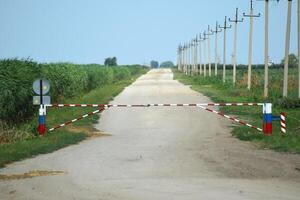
x,y
41,84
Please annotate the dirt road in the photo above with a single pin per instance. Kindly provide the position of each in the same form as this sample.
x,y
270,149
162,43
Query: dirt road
x,y
159,154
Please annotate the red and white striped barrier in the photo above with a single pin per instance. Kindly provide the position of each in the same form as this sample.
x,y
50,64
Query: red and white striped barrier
x,y
231,118
282,122
103,107
77,119
153,105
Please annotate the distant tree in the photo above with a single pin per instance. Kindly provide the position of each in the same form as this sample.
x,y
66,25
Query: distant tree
x,y
107,61
293,60
114,61
154,64
167,64
110,61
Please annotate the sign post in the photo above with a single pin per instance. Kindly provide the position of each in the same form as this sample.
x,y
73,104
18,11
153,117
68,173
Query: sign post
x,y
41,87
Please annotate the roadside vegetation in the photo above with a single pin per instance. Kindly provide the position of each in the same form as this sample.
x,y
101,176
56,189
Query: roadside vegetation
x,y
70,83
214,88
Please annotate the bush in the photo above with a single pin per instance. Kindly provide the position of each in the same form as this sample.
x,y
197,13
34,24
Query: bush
x,y
10,134
121,73
288,103
98,76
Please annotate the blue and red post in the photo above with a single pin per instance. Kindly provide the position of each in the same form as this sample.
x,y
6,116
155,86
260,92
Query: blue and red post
x,y
42,120
267,118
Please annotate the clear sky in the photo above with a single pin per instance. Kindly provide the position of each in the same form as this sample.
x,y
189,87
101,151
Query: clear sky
x,y
135,31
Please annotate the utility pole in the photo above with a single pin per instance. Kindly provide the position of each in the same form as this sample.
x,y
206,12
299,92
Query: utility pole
x,y
236,21
298,49
287,48
197,66
216,31
189,58
195,54
184,58
178,54
181,57
204,56
209,33
251,15
200,53
225,27
266,83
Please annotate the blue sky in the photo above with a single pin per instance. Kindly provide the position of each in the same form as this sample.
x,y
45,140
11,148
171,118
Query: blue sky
x,y
135,31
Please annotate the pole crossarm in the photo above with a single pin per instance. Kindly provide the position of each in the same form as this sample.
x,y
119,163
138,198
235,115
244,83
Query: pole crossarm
x,y
218,29
209,31
225,24
236,20
204,34
251,11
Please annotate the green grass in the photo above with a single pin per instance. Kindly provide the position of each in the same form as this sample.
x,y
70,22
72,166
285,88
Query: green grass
x,y
65,136
219,92
39,145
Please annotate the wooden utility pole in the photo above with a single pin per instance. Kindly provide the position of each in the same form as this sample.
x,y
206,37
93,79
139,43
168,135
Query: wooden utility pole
x,y
251,15
204,55
225,27
209,33
298,49
287,48
216,31
236,21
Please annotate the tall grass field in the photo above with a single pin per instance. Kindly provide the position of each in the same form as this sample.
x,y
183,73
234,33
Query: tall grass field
x,y
70,83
